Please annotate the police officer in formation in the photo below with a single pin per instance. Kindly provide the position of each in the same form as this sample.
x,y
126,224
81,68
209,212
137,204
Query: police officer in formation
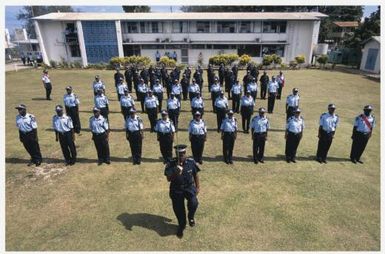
x,y
229,128
193,90
184,83
253,88
247,79
215,92
64,133
100,132
158,92
47,84
247,108
229,80
141,93
118,77
128,77
197,135
27,125
362,131
126,103
101,102
165,134
221,73
236,93
221,106
176,89
98,84
327,127
292,103
281,84
182,173
151,105
173,108
210,76
71,104
134,134
259,128
264,83
234,69
197,104
120,87
293,135
272,89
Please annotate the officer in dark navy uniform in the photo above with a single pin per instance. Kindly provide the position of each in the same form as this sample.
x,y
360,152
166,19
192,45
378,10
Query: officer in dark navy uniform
x,y
362,131
182,173
118,76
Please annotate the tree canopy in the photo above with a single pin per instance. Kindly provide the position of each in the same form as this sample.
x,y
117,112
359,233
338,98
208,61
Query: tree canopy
x,y
28,12
136,8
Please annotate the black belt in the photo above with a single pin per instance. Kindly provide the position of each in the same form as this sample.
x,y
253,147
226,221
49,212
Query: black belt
x,y
164,133
296,134
260,133
98,134
65,132
363,133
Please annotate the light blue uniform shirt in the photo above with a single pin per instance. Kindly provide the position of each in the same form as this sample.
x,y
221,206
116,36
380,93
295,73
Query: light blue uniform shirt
x,y
120,88
292,100
329,122
158,88
197,127
134,124
197,102
26,123
173,103
176,89
260,124
142,88
98,85
221,102
273,87
295,125
164,126
71,100
229,125
194,88
247,101
98,125
236,89
215,87
101,101
151,102
361,125
127,101
252,87
62,123
45,78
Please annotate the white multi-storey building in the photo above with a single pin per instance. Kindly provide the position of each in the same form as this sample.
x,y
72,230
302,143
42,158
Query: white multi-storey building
x,y
96,37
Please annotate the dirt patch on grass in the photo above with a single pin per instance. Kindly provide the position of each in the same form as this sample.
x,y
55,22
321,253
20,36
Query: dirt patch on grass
x,y
46,172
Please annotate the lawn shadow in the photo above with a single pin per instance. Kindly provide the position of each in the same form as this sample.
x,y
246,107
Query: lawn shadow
x,y
159,224
277,130
39,99
220,158
91,112
13,160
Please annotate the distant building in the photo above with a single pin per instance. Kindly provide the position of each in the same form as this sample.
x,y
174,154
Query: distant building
x,y
341,29
371,55
96,37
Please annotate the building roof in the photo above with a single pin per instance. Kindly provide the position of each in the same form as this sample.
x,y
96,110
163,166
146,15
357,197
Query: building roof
x,y
72,16
346,23
375,38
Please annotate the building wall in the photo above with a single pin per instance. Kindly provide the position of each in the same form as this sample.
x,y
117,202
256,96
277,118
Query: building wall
x,y
56,49
375,45
301,39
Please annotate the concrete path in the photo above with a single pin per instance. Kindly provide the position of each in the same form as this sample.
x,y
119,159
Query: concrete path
x,y
16,66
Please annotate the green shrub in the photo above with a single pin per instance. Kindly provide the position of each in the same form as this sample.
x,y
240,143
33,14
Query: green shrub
x,y
77,64
293,64
138,60
53,63
276,59
267,60
168,62
244,60
283,66
322,59
300,59
181,66
225,59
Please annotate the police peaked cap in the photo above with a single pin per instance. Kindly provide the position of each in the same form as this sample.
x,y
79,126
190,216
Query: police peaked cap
x,y
368,107
180,148
331,105
21,106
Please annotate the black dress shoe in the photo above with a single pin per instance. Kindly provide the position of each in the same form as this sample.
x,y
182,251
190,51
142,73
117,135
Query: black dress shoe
x,y
287,160
255,162
191,222
231,162
324,161
200,162
108,162
30,163
293,160
353,160
261,161
179,233
359,161
100,163
38,163
319,160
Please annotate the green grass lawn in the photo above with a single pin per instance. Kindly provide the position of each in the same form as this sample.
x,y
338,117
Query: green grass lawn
x,y
274,206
